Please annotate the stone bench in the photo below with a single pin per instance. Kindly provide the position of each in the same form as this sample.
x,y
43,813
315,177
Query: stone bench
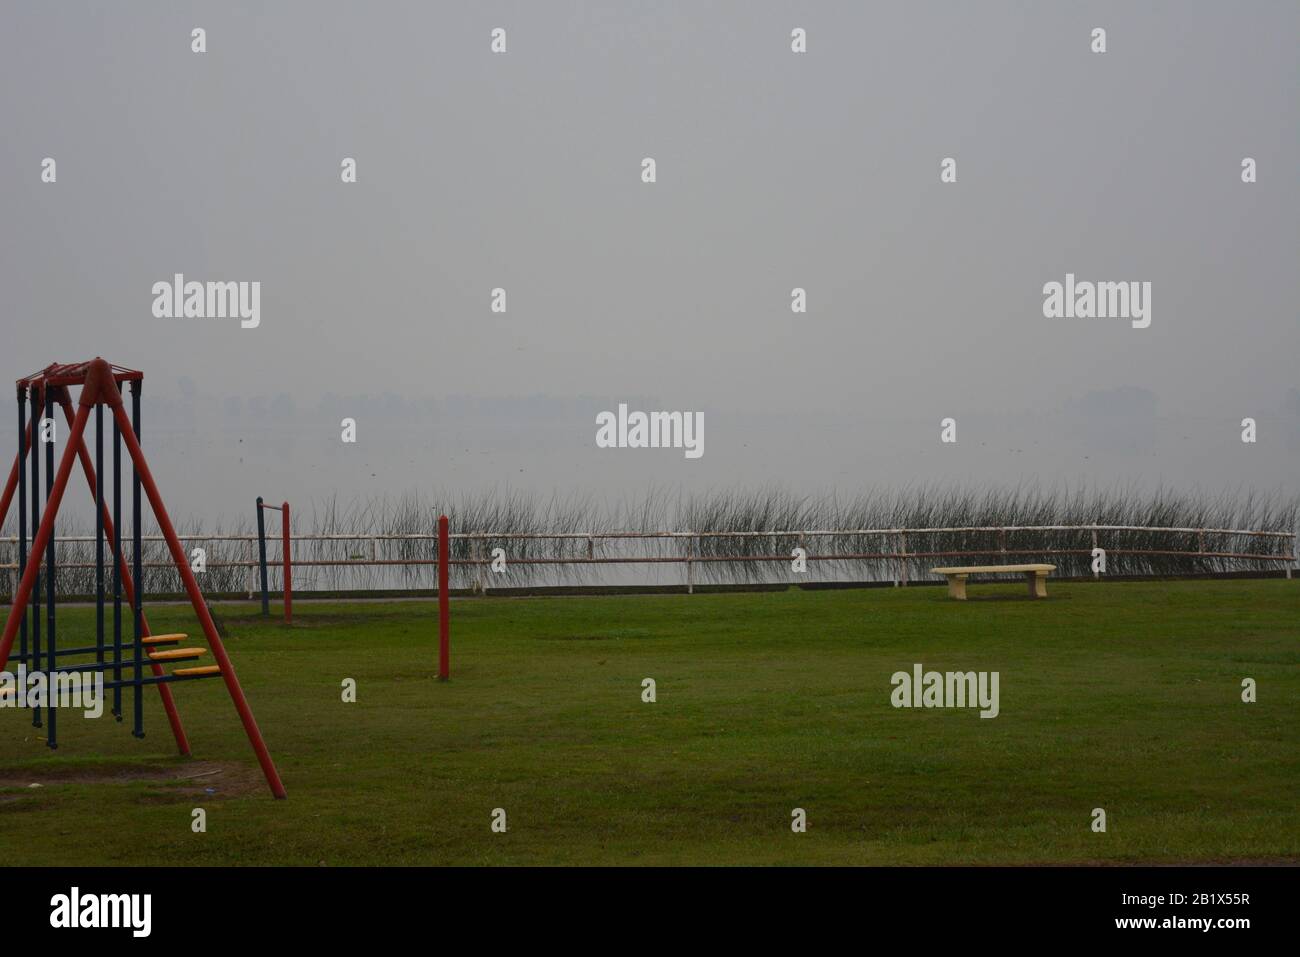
x,y
1036,575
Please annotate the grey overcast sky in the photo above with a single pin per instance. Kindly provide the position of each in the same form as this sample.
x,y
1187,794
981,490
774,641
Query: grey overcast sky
x,y
775,170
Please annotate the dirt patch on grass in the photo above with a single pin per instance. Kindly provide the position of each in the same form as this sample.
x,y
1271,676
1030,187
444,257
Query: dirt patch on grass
x,y
215,778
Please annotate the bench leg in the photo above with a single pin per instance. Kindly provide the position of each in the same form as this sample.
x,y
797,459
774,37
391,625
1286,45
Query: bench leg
x,y
1037,584
957,587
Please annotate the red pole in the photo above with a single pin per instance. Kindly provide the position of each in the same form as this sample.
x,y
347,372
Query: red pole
x,y
288,566
444,607
12,484
187,577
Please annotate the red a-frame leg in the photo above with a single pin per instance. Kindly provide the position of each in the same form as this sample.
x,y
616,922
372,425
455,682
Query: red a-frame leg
x,y
113,399
42,537
7,496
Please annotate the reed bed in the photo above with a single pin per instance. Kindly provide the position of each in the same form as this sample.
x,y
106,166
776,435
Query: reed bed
x,y
729,529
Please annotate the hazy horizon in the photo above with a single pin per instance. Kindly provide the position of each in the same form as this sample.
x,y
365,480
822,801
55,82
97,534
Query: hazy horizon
x,y
775,170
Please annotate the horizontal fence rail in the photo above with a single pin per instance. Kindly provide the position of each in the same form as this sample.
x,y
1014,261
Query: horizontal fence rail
x,y
380,561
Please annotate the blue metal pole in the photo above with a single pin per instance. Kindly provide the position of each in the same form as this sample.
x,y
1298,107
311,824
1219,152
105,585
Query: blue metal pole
x,y
37,429
52,712
261,551
22,508
138,558
99,534
119,559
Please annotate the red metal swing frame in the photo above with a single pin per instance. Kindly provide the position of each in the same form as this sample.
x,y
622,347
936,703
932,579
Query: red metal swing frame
x,y
100,382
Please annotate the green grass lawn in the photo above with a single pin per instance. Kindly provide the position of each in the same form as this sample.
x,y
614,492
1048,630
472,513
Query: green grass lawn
x,y
1124,696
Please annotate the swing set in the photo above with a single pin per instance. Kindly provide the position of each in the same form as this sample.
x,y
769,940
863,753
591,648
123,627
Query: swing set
x,y
124,658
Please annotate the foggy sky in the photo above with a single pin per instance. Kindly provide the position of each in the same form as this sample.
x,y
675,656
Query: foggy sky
x,y
775,170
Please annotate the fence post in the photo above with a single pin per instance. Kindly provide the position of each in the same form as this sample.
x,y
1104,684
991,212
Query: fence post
x,y
902,562
1002,544
475,554
690,566
1095,573
288,566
